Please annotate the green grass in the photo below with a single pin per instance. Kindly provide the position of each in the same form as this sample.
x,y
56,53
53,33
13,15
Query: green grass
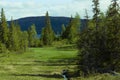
x,y
36,64
44,63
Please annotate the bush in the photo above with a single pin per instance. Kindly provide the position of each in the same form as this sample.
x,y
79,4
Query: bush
x,y
2,48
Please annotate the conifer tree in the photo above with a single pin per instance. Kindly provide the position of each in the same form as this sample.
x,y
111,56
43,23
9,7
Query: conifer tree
x,y
14,37
86,19
32,35
96,12
63,29
113,36
3,28
94,57
47,32
20,37
24,40
67,30
88,44
72,30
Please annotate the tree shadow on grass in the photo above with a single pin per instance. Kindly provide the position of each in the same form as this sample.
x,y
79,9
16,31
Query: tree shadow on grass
x,y
55,75
61,62
40,75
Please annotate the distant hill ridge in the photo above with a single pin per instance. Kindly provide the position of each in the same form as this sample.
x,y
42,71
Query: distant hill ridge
x,y
39,22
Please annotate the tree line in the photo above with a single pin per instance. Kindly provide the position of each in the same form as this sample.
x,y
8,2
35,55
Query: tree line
x,y
99,43
12,38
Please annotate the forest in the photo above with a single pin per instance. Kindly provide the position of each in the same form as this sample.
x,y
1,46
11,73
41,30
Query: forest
x,y
92,53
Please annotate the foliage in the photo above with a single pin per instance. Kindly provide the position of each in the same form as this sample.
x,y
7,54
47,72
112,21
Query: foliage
x,y
11,36
72,30
32,35
96,12
3,28
63,29
99,47
2,48
24,40
47,35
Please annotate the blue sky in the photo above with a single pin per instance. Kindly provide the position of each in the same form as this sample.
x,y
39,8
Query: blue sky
x,y
25,8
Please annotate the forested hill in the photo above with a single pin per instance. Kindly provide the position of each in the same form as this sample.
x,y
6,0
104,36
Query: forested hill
x,y
40,23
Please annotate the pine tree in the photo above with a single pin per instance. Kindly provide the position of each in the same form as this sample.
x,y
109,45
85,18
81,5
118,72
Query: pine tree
x,y
47,32
86,20
96,12
113,36
24,40
67,30
100,47
19,37
72,30
88,44
3,29
63,29
14,43
32,35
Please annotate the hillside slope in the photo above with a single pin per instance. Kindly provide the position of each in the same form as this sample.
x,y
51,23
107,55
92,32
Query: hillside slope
x,y
39,22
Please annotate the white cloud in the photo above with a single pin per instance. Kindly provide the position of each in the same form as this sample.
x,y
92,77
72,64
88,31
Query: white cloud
x,y
21,8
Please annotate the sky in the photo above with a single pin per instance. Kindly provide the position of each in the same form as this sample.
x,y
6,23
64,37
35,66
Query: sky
x,y
25,8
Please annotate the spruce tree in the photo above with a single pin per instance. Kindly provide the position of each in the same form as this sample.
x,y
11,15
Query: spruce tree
x,y
24,40
99,48
14,37
96,12
72,30
88,44
86,20
63,29
32,35
48,34
113,36
20,36
67,30
3,29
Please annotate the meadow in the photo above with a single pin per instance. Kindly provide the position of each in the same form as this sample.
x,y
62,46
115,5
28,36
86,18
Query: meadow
x,y
36,64
44,63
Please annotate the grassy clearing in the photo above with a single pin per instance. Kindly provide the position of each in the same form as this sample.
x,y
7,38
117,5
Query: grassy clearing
x,y
42,64
36,64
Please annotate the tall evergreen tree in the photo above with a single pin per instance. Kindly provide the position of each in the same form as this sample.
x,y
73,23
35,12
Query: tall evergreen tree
x,y
14,37
3,28
20,37
63,29
113,36
86,19
94,57
72,30
96,12
47,32
67,30
32,35
24,40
